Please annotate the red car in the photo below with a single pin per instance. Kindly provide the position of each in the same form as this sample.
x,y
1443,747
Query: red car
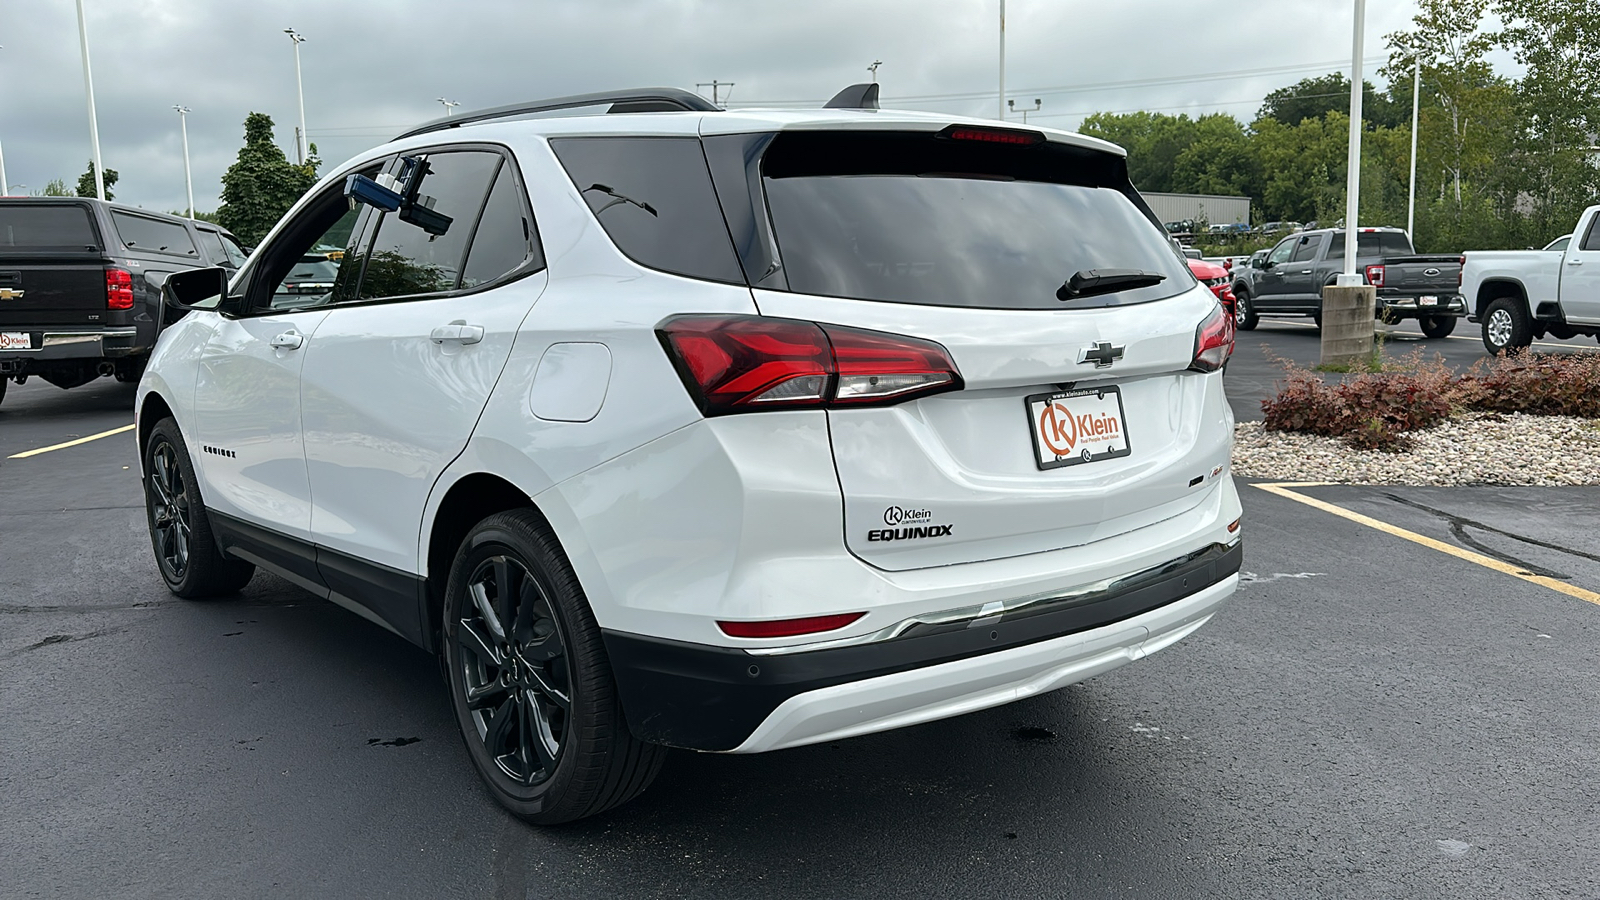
x,y
1216,277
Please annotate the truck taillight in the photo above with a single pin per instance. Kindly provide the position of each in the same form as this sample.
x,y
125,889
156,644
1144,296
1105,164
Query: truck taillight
x,y
1375,276
1462,270
1213,341
119,289
734,364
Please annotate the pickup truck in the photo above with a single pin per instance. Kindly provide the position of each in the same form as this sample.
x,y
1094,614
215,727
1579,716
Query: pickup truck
x,y
1520,295
80,285
1290,279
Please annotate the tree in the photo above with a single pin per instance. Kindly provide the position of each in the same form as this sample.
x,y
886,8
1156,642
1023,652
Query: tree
x,y
56,188
1314,98
262,184
86,182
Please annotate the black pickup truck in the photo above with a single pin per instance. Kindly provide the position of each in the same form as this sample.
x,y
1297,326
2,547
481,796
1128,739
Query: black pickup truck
x,y
1290,279
80,285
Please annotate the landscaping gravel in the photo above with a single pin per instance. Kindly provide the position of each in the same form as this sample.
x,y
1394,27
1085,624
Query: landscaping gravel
x,y
1477,448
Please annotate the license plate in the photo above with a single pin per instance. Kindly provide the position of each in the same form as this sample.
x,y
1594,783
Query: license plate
x,y
1071,428
1428,301
16,340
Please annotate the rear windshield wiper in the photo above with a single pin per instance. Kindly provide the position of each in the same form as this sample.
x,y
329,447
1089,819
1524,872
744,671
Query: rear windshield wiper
x,y
1090,282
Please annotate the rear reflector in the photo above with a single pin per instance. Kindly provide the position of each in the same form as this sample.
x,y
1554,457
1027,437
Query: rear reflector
x,y
1213,341
773,628
119,289
992,135
1233,527
733,364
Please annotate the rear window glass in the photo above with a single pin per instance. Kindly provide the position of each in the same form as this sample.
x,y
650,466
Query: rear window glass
x,y
654,198
916,218
140,233
1372,243
46,227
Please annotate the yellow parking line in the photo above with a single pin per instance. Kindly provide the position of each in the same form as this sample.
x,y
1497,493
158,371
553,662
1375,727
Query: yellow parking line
x,y
83,440
1488,562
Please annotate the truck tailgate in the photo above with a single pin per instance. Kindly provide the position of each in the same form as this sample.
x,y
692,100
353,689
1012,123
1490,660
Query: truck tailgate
x,y
53,292
1413,275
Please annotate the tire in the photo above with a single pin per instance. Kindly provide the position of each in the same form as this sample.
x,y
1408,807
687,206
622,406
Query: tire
x,y
180,532
1506,328
1244,312
3,383
130,371
1316,319
1437,326
530,681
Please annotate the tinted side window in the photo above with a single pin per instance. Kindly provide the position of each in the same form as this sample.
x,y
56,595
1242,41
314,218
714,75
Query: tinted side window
x,y
505,237
46,226
1591,241
1372,243
654,198
140,233
1307,248
212,242
234,251
1280,253
404,258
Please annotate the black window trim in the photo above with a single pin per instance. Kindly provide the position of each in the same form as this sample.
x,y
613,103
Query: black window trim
x,y
182,224
532,264
1588,236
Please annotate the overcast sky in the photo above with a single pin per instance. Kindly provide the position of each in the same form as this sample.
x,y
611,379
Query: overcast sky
x,y
372,69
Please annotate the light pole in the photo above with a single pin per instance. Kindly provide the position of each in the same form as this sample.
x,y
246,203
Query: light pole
x,y
88,87
3,182
300,91
1352,200
449,105
1416,103
1002,112
1012,106
188,179
874,69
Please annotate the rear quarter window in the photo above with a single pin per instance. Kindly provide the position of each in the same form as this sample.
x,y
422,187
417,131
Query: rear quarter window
x,y
654,198
154,235
64,227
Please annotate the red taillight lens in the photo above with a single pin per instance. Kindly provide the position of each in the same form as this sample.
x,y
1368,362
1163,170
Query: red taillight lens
x,y
1375,276
773,628
1213,342
119,289
992,135
737,364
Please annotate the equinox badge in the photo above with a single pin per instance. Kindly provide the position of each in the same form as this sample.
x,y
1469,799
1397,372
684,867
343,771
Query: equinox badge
x,y
1101,354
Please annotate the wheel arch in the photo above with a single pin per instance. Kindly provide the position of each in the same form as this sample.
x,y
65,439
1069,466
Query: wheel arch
x,y
1495,288
154,408
471,499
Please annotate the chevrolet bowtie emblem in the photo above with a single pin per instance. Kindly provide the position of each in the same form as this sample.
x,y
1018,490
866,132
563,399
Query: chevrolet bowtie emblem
x,y
1101,354
9,294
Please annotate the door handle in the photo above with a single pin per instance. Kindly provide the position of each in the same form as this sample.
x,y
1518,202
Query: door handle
x,y
458,331
1574,262
289,340
1305,271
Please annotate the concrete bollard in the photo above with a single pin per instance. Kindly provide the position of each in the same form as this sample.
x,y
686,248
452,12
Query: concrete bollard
x,y
1347,325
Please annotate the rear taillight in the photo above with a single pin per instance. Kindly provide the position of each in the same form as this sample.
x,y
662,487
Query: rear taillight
x,y
733,364
1213,342
119,289
773,628
1375,276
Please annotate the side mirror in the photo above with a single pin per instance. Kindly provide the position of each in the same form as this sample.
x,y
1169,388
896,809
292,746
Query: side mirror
x,y
192,289
1267,264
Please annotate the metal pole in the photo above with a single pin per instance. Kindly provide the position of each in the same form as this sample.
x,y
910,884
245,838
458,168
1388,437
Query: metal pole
x,y
300,92
188,179
1416,103
1352,203
5,186
1002,104
88,87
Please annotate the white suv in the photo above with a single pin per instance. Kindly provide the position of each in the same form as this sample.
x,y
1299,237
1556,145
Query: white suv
x,y
671,426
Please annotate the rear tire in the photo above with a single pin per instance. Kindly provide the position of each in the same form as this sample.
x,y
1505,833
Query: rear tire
x,y
1437,326
180,532
1506,328
1316,319
3,383
1244,312
530,681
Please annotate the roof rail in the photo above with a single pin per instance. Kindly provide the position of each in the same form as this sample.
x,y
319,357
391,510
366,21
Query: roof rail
x,y
636,100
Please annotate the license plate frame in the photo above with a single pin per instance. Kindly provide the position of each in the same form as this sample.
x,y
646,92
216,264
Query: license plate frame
x,y
1428,300
16,340
1067,420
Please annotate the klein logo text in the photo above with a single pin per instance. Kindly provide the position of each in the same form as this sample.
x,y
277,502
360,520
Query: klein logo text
x,y
1061,430
909,534
899,515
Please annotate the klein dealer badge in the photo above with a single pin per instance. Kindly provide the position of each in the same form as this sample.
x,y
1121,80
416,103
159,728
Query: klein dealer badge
x,y
1071,428
899,515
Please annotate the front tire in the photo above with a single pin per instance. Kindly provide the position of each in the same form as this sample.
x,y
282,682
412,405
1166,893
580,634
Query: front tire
x,y
1437,326
1244,312
1506,328
530,681
186,551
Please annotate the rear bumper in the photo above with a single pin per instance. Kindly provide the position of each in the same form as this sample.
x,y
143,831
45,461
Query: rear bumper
x,y
730,699
1410,307
54,345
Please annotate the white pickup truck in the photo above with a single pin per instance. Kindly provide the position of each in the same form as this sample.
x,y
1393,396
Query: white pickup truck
x,y
1521,295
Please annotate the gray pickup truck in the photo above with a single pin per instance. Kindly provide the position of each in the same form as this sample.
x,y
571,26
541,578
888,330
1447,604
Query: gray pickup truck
x,y
1290,279
80,285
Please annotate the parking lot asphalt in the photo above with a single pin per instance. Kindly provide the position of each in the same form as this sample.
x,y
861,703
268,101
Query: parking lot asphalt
x,y
1369,717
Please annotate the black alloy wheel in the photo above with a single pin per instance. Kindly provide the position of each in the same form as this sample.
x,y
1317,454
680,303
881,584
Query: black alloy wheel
x,y
187,554
530,681
514,670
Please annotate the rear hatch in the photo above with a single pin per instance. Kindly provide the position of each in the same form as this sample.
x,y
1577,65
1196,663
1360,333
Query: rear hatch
x,y
52,265
1079,419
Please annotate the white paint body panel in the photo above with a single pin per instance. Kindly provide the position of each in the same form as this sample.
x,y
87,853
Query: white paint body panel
x,y
1542,274
570,383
